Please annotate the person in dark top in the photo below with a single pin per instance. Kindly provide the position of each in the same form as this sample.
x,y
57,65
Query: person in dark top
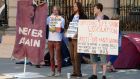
x,y
98,15
113,58
75,57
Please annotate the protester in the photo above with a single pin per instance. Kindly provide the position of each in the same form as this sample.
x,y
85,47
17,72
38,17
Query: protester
x,y
56,24
113,58
75,57
98,8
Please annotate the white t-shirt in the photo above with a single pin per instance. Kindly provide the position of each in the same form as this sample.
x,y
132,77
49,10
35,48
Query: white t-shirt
x,y
75,18
55,36
99,17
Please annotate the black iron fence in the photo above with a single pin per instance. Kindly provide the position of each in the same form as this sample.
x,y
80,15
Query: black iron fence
x,y
129,11
130,15
67,6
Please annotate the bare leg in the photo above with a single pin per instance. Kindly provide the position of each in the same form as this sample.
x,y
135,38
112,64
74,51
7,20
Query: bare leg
x,y
94,69
104,69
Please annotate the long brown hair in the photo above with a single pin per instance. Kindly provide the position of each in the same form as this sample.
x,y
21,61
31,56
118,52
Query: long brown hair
x,y
80,7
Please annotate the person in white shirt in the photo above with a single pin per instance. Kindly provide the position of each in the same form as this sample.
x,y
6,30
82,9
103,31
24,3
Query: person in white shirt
x,y
2,10
56,25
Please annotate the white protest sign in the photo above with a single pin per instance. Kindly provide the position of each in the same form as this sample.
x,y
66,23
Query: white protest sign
x,y
72,30
98,36
55,21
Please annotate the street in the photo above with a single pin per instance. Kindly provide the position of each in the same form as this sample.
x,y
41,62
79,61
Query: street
x,y
7,66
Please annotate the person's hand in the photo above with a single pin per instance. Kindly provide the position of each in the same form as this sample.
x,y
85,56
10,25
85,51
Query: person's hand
x,y
65,34
52,29
58,29
76,35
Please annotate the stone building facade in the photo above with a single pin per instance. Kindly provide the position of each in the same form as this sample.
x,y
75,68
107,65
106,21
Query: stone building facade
x,y
12,7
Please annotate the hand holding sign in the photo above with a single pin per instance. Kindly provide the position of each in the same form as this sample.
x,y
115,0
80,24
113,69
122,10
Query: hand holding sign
x,y
55,24
58,26
72,30
52,29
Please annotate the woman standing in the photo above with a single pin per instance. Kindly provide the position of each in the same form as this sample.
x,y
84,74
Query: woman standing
x,y
56,24
75,57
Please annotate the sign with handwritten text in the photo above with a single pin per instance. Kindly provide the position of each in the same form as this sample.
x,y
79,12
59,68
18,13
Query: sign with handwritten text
x,y
98,37
72,30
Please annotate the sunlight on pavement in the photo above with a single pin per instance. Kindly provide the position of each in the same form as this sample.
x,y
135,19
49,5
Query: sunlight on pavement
x,y
26,75
5,77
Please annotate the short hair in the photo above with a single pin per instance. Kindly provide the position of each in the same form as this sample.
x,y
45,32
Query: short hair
x,y
99,6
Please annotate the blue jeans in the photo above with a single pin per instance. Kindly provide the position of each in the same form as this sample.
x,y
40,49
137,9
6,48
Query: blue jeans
x,y
113,58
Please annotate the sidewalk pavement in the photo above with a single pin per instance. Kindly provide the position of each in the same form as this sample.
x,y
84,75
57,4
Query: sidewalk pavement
x,y
7,66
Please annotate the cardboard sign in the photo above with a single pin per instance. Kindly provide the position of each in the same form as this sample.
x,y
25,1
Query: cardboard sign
x,y
72,30
98,36
55,23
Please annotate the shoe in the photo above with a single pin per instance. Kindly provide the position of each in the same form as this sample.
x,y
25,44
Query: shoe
x,y
58,74
74,75
112,70
51,74
80,75
104,77
37,66
93,77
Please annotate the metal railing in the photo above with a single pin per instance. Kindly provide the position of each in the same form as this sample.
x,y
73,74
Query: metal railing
x,y
67,6
130,15
129,11
4,19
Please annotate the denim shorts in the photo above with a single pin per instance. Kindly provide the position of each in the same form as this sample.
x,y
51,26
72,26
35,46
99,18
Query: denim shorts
x,y
95,58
